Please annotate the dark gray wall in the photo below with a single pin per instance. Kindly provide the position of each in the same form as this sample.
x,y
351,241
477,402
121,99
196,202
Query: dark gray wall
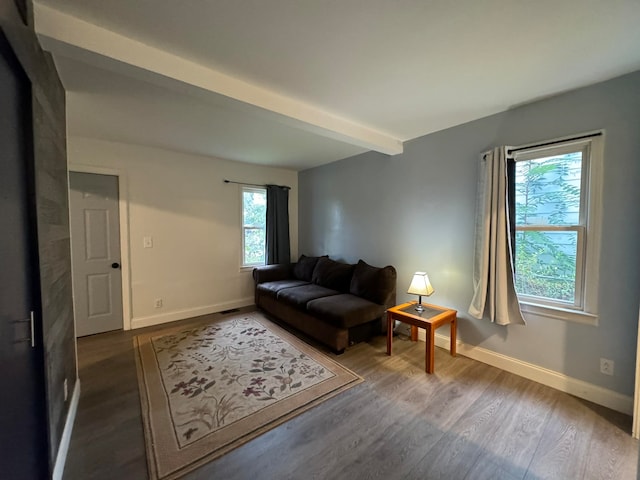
x,y
416,211
52,210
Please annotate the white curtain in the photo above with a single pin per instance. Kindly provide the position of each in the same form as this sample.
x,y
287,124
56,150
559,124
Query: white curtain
x,y
494,291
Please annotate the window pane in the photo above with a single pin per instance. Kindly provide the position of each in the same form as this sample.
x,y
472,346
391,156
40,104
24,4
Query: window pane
x,y
548,190
546,264
254,208
254,220
254,246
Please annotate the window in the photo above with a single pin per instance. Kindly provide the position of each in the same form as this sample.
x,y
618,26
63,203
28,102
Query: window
x,y
254,219
557,194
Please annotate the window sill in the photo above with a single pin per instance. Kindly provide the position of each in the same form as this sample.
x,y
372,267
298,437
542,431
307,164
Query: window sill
x,y
248,268
558,313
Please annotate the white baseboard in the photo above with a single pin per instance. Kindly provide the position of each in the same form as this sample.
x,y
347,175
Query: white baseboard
x,y
139,322
559,381
63,449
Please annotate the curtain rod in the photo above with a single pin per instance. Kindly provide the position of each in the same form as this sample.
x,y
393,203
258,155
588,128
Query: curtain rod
x,y
596,134
255,184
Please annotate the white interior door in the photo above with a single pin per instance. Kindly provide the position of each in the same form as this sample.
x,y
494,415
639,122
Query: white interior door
x,y
95,240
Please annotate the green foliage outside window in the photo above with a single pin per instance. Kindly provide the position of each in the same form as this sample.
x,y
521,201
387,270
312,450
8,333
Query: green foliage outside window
x,y
547,195
543,266
254,215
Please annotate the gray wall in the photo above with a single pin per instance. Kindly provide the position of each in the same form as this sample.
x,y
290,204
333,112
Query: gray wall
x,y
52,214
416,212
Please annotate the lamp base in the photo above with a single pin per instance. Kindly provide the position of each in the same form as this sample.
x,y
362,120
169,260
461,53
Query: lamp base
x,y
419,307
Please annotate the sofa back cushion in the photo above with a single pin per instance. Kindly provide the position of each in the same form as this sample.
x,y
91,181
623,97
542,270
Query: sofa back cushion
x,y
303,270
373,283
331,274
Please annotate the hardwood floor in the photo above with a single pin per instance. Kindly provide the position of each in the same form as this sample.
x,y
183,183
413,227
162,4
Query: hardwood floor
x,y
466,421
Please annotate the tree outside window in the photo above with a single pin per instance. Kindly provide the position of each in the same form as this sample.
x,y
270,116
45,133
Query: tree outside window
x,y
254,215
550,226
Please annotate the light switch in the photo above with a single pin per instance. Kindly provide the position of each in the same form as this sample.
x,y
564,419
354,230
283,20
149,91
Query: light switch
x,y
148,242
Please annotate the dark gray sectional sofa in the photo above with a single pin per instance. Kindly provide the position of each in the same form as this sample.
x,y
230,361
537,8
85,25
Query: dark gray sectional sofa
x,y
336,303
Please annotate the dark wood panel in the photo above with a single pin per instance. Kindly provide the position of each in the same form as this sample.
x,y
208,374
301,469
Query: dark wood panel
x,y
55,260
51,204
23,440
468,420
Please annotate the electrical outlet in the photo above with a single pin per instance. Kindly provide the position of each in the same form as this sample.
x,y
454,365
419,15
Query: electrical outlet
x,y
606,366
147,242
158,303
65,388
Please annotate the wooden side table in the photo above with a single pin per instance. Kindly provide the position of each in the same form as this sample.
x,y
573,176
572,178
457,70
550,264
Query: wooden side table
x,y
430,319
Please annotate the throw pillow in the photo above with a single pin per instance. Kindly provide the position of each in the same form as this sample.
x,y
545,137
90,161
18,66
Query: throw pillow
x,y
373,283
331,274
303,270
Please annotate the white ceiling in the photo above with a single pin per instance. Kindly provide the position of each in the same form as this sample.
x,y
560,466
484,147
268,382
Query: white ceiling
x,y
295,83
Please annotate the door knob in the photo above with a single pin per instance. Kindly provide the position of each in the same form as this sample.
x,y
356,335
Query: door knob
x,y
115,265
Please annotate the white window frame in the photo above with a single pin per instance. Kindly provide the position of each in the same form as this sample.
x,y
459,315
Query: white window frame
x,y
589,228
247,188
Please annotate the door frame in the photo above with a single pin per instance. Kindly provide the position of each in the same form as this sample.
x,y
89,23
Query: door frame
x,y
123,207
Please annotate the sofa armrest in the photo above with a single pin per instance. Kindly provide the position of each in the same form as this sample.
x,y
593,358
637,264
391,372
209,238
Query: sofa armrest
x,y
272,273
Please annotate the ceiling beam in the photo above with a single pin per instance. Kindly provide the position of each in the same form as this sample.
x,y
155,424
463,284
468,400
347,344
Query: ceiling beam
x,y
70,36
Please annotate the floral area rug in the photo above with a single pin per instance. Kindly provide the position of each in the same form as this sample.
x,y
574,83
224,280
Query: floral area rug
x,y
210,388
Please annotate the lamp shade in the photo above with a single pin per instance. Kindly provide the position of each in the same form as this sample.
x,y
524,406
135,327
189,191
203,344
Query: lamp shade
x,y
420,285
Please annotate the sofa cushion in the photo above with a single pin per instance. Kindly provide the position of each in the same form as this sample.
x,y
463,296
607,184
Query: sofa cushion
x,y
272,288
332,274
372,283
345,310
303,269
300,296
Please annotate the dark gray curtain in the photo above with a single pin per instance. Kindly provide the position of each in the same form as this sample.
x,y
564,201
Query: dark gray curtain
x,y
278,249
511,202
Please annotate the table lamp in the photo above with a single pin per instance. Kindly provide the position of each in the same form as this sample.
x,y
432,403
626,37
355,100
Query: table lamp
x,y
420,286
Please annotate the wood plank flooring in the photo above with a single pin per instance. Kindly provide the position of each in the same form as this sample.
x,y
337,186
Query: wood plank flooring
x,y
466,421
